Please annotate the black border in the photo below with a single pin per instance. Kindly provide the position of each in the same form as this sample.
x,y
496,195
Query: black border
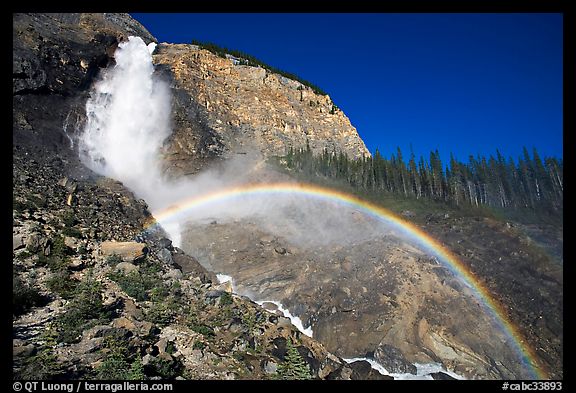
x,y
395,6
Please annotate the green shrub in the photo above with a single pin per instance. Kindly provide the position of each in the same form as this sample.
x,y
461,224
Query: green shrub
x,y
170,348
167,369
117,365
61,284
24,297
226,299
113,260
44,364
204,330
72,232
161,314
83,312
138,284
59,255
198,345
133,284
69,219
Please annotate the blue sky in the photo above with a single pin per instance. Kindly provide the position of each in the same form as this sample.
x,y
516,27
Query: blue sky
x,y
461,83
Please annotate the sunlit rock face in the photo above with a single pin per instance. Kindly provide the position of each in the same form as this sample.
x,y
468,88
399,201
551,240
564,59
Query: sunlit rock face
x,y
362,297
222,107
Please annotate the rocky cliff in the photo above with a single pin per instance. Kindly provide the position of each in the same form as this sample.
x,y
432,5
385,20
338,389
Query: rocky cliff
x,y
98,293
224,107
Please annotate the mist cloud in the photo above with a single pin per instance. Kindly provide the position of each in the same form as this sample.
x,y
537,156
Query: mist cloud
x,y
128,120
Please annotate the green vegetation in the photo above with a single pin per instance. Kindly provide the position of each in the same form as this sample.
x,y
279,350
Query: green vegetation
x,y
293,366
134,284
532,189
249,60
198,345
30,203
226,299
72,232
24,297
113,260
58,260
162,313
61,284
83,312
118,363
167,369
69,219
138,284
204,330
44,364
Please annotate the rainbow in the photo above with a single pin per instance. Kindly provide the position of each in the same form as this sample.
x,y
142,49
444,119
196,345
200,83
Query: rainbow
x,y
448,259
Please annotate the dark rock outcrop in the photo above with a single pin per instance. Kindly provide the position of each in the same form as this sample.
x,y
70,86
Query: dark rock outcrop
x,y
392,359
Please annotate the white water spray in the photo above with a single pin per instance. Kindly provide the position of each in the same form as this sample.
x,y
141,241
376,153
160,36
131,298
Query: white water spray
x,y
128,119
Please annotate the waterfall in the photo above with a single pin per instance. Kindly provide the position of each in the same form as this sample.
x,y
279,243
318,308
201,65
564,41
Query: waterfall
x,y
128,119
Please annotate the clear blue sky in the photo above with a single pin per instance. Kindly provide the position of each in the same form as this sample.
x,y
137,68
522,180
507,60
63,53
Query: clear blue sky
x,y
461,83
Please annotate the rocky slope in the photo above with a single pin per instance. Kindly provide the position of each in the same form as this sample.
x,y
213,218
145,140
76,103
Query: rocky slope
x,y
98,296
97,292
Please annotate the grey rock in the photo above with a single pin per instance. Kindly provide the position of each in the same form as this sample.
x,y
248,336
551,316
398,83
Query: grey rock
x,y
17,242
126,267
280,250
96,331
408,213
269,366
33,242
165,243
165,256
392,359
173,274
90,345
214,293
23,351
362,370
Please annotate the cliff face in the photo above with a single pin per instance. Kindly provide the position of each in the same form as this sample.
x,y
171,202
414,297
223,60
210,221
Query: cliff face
x,y
240,109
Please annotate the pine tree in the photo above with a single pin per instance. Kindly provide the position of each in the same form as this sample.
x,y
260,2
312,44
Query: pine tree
x,y
294,366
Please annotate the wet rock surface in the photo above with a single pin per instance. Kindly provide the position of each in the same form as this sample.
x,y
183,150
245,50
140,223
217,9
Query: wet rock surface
x,y
384,293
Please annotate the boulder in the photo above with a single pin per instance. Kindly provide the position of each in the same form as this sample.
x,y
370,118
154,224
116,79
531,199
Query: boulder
x,y
362,370
174,274
126,267
165,243
441,376
124,323
128,251
71,242
23,351
33,242
269,366
408,214
214,293
165,256
190,265
17,242
392,359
